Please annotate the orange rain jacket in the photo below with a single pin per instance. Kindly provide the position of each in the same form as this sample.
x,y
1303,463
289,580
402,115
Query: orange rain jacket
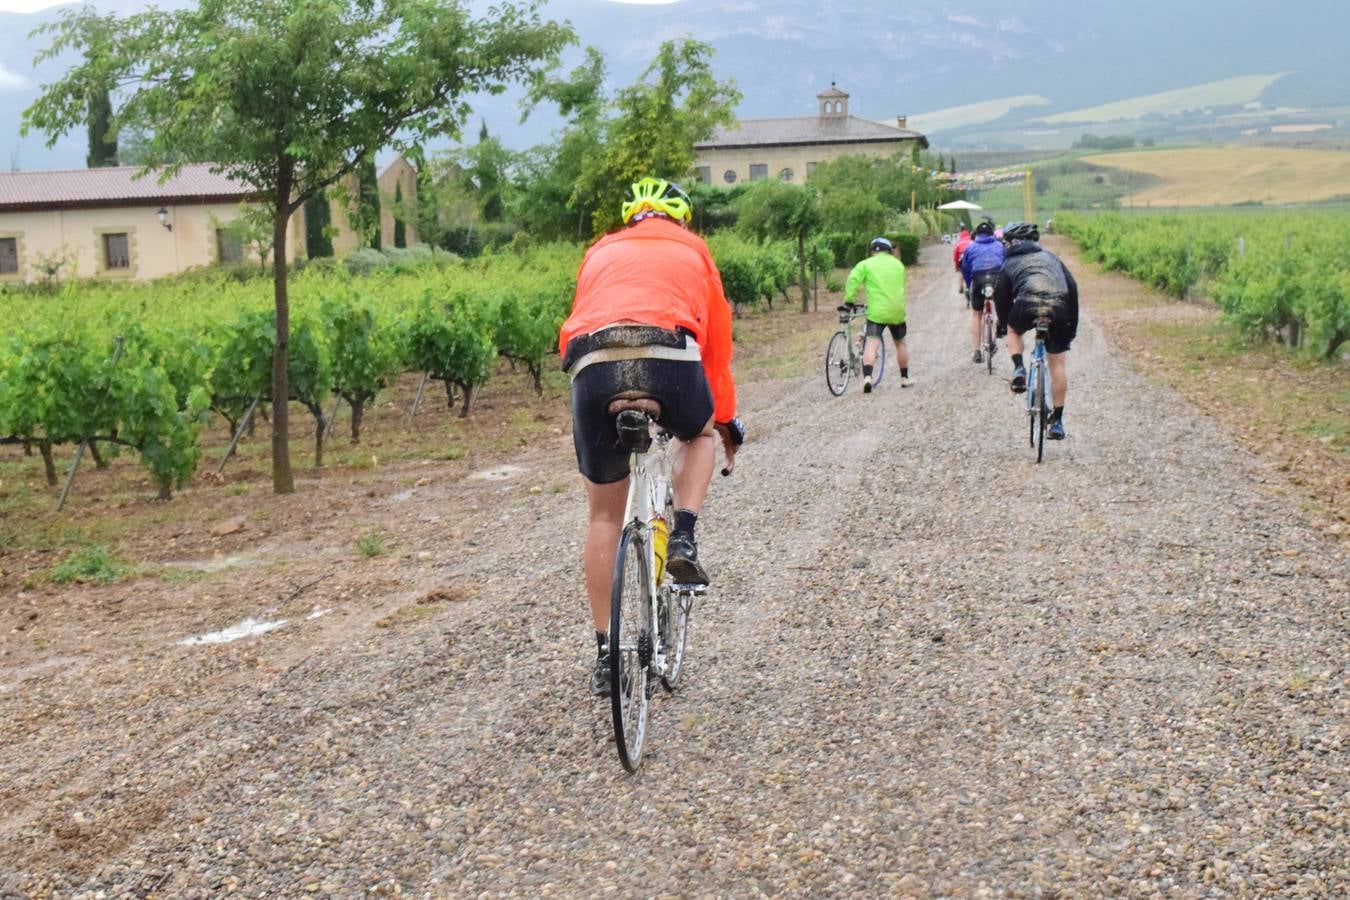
x,y
658,273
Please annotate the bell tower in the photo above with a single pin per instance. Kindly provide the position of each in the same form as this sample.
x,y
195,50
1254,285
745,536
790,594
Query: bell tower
x,y
833,104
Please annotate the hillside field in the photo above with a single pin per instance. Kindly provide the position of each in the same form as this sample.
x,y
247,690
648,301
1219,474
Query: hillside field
x,y
1222,176
1227,92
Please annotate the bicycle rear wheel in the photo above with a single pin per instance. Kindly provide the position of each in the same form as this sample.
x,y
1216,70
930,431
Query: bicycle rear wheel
x,y
1031,406
990,344
1042,411
879,366
630,647
837,368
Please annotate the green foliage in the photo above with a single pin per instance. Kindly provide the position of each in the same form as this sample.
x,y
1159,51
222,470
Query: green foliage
x,y
89,565
371,544
400,229
318,225
451,337
906,245
1281,276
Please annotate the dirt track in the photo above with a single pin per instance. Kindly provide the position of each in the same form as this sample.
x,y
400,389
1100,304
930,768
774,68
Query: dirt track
x,y
929,667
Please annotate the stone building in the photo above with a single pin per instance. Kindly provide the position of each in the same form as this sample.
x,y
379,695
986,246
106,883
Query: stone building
x,y
790,148
106,223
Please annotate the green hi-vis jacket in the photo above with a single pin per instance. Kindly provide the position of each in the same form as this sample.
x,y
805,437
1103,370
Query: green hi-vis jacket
x,y
882,277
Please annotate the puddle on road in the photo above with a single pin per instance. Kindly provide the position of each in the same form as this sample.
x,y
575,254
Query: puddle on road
x,y
246,628
318,612
500,473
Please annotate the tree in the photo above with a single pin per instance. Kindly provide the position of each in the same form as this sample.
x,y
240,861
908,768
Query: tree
x,y
102,138
774,209
289,98
673,105
318,220
400,230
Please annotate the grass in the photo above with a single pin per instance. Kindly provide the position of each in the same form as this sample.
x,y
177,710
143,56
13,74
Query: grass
x,y
89,565
1226,92
371,544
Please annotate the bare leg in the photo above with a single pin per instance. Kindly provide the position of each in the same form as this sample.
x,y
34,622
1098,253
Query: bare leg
x,y
902,354
1059,377
1014,343
606,502
691,469
976,320
870,350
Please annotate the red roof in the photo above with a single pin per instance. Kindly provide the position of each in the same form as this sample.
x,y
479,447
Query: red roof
x,y
115,186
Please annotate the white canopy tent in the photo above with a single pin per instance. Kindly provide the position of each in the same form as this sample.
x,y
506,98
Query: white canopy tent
x,y
960,204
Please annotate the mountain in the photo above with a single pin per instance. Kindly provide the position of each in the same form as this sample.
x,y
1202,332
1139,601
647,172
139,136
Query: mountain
x,y
912,58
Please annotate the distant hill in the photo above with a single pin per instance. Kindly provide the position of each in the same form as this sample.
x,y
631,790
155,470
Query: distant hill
x,y
893,59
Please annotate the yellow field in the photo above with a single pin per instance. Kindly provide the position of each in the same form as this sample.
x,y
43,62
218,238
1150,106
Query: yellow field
x,y
1220,176
972,113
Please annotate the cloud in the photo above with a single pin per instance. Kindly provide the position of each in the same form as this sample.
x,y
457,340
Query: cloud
x,y
10,81
964,20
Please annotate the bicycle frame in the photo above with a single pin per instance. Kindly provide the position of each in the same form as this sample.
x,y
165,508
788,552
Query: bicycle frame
x,y
647,488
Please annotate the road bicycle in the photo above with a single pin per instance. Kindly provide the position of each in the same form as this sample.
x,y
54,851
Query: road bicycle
x,y
989,324
649,614
1038,379
844,354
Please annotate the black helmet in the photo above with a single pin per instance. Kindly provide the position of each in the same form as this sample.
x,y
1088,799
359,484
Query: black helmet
x,y
880,243
1021,231
985,227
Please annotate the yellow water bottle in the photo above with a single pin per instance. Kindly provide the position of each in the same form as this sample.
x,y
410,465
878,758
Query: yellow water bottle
x,y
660,532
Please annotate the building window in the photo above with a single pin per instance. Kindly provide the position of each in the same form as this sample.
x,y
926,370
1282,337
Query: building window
x,y
705,174
785,175
810,167
229,246
729,176
116,252
758,171
9,256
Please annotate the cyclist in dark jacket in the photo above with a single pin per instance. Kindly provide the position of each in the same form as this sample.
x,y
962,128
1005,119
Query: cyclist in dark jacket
x,y
1034,283
983,258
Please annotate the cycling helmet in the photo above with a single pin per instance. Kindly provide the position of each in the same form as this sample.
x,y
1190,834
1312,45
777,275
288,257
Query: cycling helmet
x,y
1021,231
985,227
656,196
880,243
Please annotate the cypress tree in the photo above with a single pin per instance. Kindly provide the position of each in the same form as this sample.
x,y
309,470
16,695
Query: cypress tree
x,y
102,142
400,230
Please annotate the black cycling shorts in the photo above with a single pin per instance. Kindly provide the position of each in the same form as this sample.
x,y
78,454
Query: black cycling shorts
x,y
1060,335
680,385
975,292
878,329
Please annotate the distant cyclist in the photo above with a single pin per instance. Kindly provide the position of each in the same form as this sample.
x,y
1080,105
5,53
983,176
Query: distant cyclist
x,y
982,260
1032,283
963,241
649,320
882,278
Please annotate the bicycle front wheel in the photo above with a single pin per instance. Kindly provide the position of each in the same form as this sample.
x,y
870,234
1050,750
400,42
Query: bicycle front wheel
x,y
837,363
630,646
990,344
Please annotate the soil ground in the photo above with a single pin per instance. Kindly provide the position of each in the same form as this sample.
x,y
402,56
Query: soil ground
x,y
928,666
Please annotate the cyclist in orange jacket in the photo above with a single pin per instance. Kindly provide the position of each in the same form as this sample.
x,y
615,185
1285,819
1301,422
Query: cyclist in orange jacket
x,y
649,319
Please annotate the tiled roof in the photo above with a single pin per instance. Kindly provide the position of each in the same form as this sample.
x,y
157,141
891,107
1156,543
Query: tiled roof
x,y
114,186
806,130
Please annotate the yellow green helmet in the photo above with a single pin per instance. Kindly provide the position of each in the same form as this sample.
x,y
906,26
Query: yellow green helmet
x,y
656,195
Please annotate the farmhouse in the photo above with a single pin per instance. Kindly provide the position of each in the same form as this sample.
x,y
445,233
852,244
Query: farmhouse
x,y
106,223
789,149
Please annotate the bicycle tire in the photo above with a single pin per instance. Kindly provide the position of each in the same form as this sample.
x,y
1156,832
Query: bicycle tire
x,y
630,639
1031,406
879,365
990,344
1043,412
838,366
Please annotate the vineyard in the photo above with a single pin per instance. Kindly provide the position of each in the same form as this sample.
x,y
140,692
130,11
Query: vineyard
x,y
1279,276
141,368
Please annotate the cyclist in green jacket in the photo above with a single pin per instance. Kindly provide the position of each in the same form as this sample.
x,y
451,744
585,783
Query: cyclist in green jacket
x,y
882,278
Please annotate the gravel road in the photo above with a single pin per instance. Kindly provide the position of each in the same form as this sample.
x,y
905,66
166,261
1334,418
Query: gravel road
x,y
929,667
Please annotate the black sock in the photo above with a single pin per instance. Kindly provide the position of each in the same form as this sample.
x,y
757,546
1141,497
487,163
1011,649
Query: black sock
x,y
1017,360
601,643
685,522
867,371
1057,415
904,373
